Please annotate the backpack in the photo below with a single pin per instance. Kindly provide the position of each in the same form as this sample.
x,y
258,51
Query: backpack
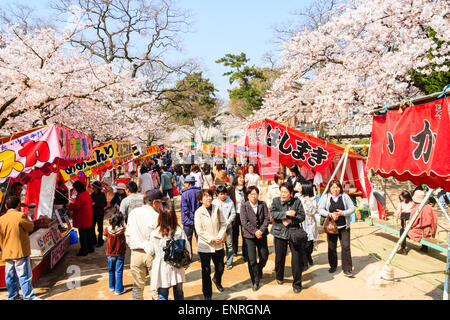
x,y
175,252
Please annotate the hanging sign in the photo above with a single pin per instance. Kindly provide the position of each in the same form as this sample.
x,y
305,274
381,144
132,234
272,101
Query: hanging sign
x,y
290,145
413,144
37,151
105,156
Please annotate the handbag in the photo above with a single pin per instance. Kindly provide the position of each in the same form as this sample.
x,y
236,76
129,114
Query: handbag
x,y
175,252
330,226
297,236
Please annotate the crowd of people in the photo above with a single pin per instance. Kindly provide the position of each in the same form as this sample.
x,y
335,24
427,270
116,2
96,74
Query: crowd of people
x,y
219,206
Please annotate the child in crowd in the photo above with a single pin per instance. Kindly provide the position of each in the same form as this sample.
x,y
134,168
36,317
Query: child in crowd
x,y
114,235
403,213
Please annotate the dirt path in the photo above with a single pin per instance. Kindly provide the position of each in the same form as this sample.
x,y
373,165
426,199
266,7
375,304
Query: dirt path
x,y
418,275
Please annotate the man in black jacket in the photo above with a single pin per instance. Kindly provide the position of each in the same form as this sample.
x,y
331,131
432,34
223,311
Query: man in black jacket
x,y
98,209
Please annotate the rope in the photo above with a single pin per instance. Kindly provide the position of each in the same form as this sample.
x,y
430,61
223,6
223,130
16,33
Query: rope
x,y
444,94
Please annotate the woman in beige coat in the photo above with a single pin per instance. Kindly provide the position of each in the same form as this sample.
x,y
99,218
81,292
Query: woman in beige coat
x,y
211,226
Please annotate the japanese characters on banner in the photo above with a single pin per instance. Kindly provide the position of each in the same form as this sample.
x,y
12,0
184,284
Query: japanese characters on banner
x,y
104,158
124,151
413,144
42,147
290,145
59,251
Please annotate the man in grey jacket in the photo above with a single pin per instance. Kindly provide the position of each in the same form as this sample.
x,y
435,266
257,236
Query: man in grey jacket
x,y
226,206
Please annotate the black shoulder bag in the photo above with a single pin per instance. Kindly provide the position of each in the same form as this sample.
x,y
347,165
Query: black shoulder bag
x,y
175,252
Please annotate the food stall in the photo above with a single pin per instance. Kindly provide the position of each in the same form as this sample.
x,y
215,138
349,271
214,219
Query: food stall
x,y
34,158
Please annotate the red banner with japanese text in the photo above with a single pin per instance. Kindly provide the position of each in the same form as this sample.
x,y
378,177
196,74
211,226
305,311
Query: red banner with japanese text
x,y
273,139
413,144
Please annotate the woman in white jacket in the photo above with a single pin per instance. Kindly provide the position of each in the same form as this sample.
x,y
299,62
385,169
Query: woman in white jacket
x,y
211,227
310,205
164,276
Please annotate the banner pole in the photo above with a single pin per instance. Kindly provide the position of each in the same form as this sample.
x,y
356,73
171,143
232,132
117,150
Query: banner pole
x,y
332,176
408,227
347,148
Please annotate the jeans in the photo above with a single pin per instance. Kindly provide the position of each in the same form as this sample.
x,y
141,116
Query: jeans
x,y
163,293
115,267
205,259
229,246
255,267
344,238
18,271
168,192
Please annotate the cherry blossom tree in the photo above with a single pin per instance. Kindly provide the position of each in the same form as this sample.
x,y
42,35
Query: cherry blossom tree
x,y
43,80
359,60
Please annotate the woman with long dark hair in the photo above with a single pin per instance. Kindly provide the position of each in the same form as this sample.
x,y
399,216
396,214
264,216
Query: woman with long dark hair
x,y
295,178
165,276
238,194
338,205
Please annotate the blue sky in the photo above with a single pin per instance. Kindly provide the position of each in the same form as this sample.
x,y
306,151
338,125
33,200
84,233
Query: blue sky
x,y
224,26
233,26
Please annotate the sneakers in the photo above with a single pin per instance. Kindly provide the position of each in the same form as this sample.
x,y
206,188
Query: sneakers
x,y
255,287
297,290
229,267
280,282
111,289
122,292
402,251
332,270
348,274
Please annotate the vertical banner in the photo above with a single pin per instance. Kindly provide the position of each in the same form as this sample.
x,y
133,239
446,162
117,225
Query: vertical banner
x,y
413,144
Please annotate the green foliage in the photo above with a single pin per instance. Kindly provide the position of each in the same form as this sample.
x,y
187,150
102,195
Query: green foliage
x,y
250,91
192,98
435,81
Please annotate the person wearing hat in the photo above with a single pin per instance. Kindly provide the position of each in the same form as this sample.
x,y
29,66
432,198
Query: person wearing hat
x,y
118,196
141,222
425,226
189,204
99,204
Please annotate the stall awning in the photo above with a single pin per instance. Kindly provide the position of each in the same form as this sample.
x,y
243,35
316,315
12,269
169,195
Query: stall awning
x,y
413,144
276,140
39,152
